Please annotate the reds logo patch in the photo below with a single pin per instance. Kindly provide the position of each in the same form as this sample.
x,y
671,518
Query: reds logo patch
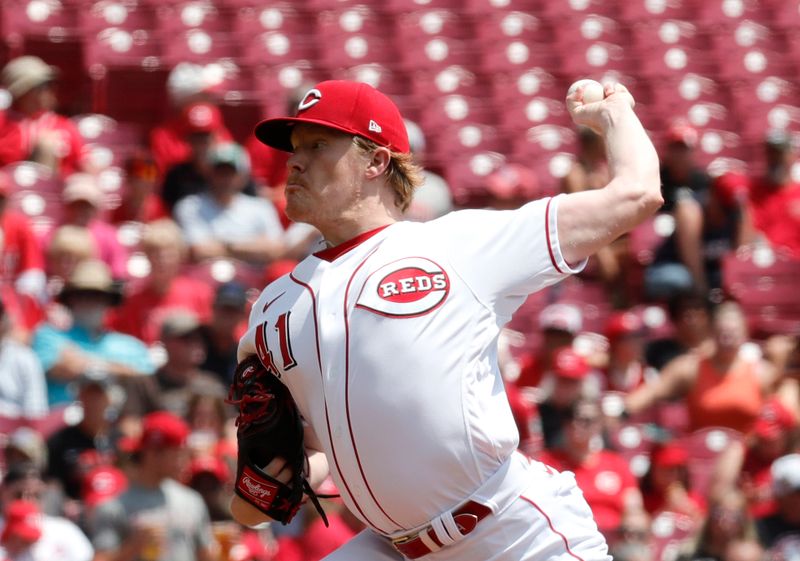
x,y
409,287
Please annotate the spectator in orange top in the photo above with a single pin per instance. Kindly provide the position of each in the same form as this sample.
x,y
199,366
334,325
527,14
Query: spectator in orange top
x,y
165,288
186,84
139,202
724,389
32,130
746,465
604,477
775,197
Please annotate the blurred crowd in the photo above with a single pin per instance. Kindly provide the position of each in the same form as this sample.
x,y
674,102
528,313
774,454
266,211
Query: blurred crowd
x,y
121,318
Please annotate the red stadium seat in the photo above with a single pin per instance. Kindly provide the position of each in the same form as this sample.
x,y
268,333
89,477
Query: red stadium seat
x,y
344,50
199,46
455,109
107,131
670,533
527,82
450,80
522,114
763,281
649,10
590,27
252,20
116,47
193,14
273,48
514,25
52,20
704,447
464,138
653,33
510,54
467,175
359,20
110,13
435,53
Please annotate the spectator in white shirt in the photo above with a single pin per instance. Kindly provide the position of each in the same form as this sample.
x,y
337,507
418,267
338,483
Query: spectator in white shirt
x,y
23,388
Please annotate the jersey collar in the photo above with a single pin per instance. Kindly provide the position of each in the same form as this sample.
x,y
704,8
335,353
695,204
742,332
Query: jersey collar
x,y
332,253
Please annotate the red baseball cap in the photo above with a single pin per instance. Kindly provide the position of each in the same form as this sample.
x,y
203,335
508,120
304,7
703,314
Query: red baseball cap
x,y
681,132
202,117
352,107
208,464
669,455
513,180
23,520
773,420
730,188
621,324
103,483
162,429
569,364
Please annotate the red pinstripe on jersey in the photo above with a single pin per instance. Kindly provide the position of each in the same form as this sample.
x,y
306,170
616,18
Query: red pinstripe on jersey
x,y
327,417
550,523
347,387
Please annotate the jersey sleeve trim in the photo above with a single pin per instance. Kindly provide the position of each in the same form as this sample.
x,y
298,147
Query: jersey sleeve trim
x,y
553,247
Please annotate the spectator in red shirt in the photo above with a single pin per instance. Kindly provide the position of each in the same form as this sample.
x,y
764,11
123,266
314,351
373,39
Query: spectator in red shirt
x,y
83,203
22,278
139,202
775,197
32,130
666,486
603,475
559,324
165,288
186,84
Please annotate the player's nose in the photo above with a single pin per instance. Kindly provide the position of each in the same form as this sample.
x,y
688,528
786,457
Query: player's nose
x,y
295,162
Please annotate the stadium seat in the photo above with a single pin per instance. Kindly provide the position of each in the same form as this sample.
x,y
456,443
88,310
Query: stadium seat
x,y
51,20
219,271
273,48
449,110
465,138
650,10
653,33
510,54
670,533
283,16
179,17
467,175
515,25
454,79
111,13
530,81
355,20
199,46
104,130
763,281
435,53
522,114
346,50
704,447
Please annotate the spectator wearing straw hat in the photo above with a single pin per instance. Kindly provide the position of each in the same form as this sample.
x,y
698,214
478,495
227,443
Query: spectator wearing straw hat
x,y
32,130
87,345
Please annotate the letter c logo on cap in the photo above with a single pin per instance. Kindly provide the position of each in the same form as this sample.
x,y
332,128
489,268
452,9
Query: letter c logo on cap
x,y
311,98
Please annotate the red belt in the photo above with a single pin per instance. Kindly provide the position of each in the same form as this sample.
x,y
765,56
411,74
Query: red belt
x,y
466,518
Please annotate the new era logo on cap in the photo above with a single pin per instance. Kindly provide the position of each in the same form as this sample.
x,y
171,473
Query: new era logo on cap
x,y
351,107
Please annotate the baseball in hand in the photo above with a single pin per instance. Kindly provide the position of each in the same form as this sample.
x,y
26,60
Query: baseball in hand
x,y
592,90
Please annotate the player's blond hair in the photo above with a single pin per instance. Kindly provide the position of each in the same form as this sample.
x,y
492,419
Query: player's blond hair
x,y
403,175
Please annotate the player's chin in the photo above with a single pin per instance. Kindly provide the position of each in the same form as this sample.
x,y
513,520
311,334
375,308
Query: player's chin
x,y
296,210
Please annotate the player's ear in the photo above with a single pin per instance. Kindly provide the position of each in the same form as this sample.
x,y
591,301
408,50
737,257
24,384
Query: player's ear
x,y
378,162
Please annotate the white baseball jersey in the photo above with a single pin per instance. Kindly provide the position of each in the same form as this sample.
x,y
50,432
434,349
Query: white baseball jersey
x,y
388,344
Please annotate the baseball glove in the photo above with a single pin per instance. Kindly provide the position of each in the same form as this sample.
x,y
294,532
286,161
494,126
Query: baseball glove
x,y
269,426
